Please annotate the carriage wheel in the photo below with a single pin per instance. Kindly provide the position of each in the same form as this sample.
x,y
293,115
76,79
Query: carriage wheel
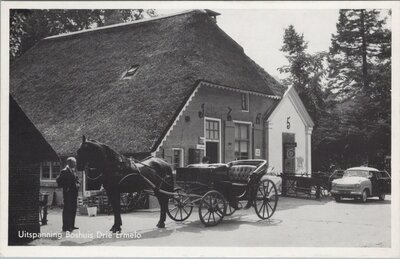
x,y
266,199
212,208
179,207
229,210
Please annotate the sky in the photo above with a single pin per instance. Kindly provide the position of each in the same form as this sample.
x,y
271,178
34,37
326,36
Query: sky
x,y
260,32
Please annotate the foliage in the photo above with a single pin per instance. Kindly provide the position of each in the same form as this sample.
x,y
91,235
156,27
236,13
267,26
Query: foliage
x,y
360,43
352,112
360,76
306,72
27,27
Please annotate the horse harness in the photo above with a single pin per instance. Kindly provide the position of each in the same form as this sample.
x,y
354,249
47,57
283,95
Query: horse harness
x,y
152,185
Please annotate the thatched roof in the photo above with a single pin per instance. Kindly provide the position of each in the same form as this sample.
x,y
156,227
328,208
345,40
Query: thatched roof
x,y
72,85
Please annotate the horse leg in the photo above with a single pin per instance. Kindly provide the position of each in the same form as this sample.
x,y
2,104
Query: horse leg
x,y
113,196
163,201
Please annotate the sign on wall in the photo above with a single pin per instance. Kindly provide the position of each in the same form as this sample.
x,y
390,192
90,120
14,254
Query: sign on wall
x,y
201,140
200,146
290,153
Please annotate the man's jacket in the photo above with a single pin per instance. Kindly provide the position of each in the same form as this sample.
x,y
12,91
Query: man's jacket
x,y
67,180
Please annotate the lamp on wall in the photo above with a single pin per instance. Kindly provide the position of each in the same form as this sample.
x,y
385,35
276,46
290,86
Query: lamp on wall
x,y
201,112
228,116
258,118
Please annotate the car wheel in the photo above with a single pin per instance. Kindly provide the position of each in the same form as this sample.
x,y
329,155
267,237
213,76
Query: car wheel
x,y
364,196
382,197
338,198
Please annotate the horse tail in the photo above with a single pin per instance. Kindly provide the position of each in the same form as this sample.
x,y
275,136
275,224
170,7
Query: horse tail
x,y
170,176
167,172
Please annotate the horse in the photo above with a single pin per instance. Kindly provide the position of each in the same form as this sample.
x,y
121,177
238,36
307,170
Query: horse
x,y
117,175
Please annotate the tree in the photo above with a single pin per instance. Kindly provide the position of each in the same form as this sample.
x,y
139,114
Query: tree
x,y
306,73
359,74
27,27
361,40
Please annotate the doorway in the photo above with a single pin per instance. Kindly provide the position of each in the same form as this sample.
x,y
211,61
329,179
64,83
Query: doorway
x,y
212,133
212,150
289,153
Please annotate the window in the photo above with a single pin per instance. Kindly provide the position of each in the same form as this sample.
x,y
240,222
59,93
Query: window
x,y
177,157
245,101
131,72
45,170
55,169
212,130
242,141
357,173
49,170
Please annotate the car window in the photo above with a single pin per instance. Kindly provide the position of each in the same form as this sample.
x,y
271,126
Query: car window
x,y
337,173
384,174
358,173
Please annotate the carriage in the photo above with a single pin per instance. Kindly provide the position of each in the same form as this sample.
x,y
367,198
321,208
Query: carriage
x,y
218,190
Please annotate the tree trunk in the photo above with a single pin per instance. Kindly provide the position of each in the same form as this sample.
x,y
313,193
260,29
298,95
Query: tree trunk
x,y
364,50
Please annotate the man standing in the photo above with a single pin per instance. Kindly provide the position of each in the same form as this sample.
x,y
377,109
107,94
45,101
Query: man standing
x,y
70,184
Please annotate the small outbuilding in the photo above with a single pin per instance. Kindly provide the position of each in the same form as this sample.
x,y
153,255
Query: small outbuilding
x,y
27,149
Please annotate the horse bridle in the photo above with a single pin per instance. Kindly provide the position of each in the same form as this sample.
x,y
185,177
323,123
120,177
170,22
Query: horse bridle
x,y
87,169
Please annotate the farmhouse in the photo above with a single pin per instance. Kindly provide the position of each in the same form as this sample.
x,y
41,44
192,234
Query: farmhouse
x,y
175,87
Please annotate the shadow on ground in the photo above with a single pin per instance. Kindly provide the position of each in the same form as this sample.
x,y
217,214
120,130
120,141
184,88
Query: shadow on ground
x,y
370,202
230,223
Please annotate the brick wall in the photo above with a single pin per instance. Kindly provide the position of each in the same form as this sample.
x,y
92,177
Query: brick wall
x,y
185,134
23,210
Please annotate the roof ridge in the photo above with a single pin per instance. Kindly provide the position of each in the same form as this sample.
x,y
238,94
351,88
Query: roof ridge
x,y
124,24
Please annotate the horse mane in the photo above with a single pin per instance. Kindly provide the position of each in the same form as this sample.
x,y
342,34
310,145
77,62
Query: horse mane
x,y
110,153
113,154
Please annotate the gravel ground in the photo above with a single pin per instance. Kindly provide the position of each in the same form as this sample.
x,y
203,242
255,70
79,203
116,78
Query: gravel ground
x,y
296,223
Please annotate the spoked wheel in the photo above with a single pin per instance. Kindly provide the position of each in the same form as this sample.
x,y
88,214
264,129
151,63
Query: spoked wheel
x,y
179,207
266,199
229,210
212,208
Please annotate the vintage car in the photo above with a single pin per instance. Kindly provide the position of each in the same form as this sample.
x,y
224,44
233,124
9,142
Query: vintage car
x,y
361,183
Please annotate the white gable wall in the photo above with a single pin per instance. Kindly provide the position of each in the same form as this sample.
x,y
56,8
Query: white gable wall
x,y
277,124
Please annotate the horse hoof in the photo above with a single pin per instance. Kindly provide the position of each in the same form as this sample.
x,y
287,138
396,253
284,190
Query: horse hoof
x,y
115,229
161,225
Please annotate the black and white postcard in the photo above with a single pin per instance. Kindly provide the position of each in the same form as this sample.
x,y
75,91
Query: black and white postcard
x,y
200,129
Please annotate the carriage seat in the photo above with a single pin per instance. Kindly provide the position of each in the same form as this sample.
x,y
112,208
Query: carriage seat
x,y
240,174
